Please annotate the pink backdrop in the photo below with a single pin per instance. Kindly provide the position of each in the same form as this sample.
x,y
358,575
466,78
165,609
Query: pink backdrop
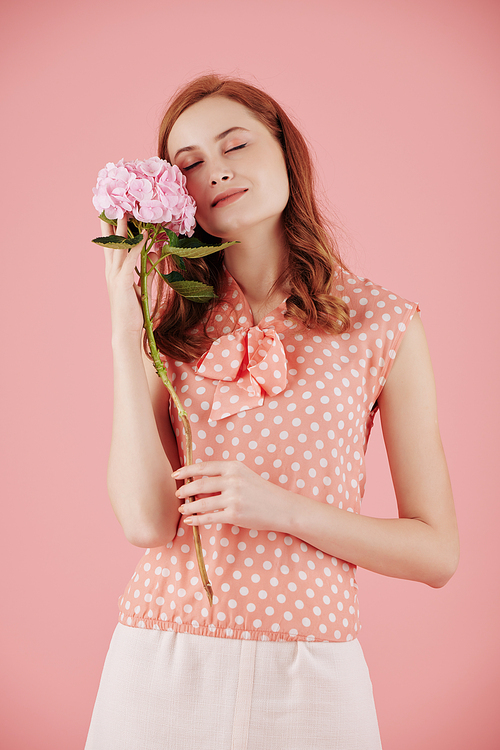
x,y
399,99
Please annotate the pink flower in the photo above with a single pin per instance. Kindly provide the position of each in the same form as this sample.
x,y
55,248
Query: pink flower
x,y
152,167
141,190
111,197
116,171
185,221
153,191
151,211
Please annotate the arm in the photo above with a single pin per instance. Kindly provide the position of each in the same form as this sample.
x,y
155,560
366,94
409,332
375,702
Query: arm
x,y
422,544
143,448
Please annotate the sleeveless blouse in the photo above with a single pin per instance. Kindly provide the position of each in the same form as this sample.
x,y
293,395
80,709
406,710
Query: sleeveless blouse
x,y
297,407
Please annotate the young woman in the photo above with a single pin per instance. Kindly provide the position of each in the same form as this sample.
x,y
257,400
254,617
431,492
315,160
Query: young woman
x,y
282,377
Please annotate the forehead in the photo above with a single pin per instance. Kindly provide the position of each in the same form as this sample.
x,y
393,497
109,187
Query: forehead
x,y
201,123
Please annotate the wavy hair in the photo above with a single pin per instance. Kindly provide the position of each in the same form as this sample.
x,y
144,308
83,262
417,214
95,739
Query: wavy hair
x,y
313,254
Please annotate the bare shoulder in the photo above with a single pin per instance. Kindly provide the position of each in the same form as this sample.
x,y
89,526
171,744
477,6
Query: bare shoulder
x,y
411,380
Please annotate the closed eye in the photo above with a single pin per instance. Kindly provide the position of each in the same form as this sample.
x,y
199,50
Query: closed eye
x,y
236,148
186,169
195,164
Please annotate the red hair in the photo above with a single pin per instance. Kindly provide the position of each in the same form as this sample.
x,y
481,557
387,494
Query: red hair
x,y
313,256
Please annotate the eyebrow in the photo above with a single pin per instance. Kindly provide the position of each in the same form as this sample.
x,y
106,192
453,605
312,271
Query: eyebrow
x,y
216,139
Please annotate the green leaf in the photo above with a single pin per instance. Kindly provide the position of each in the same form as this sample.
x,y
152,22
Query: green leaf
x,y
189,242
173,240
115,242
179,262
173,276
193,290
198,251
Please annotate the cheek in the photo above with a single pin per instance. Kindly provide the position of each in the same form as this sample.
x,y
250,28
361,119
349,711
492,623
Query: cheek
x,y
286,189
203,217
191,185
281,187
195,192
280,176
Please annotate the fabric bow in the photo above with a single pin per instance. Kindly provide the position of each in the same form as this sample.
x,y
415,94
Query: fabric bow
x,y
246,363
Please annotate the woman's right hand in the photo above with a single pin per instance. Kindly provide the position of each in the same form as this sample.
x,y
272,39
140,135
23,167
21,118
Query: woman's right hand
x,y
121,278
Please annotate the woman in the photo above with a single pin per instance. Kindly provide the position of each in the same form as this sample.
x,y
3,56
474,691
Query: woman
x,y
282,378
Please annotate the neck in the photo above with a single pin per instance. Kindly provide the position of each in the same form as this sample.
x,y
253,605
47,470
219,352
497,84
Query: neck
x,y
256,263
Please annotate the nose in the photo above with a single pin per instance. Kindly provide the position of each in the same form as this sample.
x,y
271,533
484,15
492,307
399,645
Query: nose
x,y
220,173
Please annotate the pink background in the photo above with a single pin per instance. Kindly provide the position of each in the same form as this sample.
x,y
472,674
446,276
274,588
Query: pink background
x,y
399,100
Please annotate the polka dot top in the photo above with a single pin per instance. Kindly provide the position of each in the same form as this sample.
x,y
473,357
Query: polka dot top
x,y
297,407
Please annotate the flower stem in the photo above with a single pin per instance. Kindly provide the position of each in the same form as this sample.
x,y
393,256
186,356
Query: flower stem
x,y
160,369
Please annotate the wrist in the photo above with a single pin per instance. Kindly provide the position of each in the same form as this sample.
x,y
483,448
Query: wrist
x,y
290,513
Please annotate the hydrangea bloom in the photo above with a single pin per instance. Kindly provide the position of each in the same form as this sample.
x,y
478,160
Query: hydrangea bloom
x,y
153,191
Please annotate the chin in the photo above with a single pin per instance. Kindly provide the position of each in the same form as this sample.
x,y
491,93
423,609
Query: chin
x,y
234,227
226,232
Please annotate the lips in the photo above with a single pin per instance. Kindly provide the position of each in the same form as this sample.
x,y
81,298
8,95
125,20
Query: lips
x,y
228,194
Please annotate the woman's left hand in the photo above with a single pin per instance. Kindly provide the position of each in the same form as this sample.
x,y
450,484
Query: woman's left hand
x,y
235,495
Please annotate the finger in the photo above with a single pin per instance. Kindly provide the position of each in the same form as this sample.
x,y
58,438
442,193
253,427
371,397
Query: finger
x,y
203,505
135,252
114,256
118,258
106,229
204,486
208,468
130,258
108,256
121,226
206,519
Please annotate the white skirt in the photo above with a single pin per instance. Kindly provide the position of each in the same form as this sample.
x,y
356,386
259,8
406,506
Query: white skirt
x,y
171,691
